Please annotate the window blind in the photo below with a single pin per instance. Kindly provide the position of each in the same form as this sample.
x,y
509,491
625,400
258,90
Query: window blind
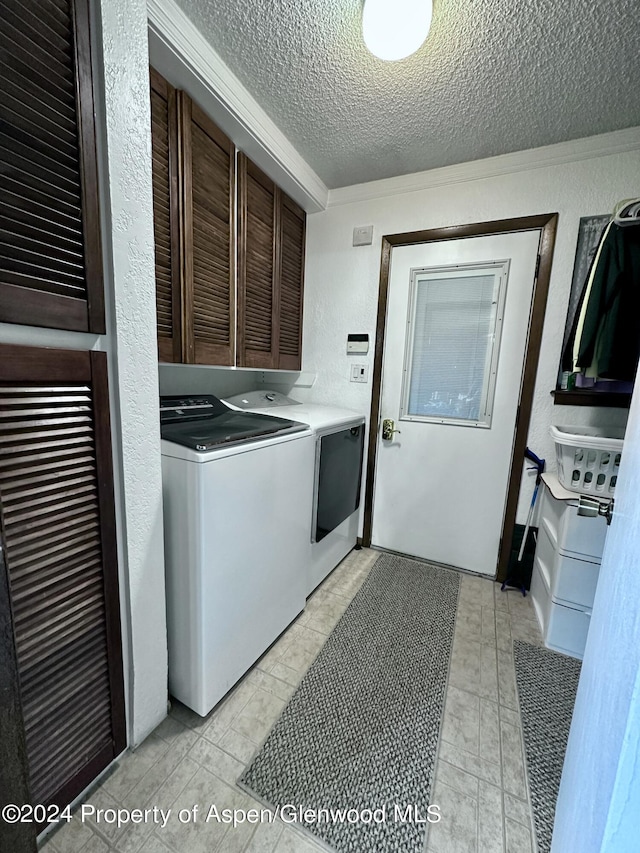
x,y
453,328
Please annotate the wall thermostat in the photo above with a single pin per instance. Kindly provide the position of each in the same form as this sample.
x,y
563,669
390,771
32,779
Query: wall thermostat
x,y
357,344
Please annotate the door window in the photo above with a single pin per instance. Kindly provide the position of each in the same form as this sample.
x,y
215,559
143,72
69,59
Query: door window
x,y
451,358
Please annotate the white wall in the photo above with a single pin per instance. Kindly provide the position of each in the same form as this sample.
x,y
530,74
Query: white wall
x,y
199,379
598,808
341,285
225,382
125,148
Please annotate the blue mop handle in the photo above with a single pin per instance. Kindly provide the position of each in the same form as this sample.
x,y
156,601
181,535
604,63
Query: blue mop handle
x,y
539,463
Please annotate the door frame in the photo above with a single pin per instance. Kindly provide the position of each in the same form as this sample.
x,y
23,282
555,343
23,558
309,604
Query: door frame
x,y
547,224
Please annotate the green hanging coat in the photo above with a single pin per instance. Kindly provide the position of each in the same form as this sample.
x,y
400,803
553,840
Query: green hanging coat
x,y
611,330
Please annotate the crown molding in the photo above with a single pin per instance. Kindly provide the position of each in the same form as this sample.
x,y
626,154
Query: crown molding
x,y
180,52
605,144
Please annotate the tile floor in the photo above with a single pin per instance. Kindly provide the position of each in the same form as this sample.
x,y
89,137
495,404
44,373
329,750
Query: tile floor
x,y
480,782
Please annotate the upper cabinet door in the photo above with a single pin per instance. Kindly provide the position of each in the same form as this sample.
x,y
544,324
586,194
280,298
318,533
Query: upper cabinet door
x,y
258,262
50,258
292,242
164,137
208,186
271,235
194,192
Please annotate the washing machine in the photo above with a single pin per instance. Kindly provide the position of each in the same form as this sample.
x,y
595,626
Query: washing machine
x,y
334,479
236,519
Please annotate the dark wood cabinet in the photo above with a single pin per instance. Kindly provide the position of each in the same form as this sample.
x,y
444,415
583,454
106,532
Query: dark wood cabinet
x,y
50,258
164,133
271,234
257,266
61,679
292,243
193,207
58,539
14,772
202,317
208,186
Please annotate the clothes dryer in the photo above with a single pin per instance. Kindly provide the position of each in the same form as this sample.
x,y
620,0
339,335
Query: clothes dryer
x,y
334,480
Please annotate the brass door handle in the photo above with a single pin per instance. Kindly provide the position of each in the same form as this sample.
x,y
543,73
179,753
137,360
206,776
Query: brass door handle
x,y
388,429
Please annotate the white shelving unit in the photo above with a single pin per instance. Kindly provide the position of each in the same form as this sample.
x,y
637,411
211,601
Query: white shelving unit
x,y
566,568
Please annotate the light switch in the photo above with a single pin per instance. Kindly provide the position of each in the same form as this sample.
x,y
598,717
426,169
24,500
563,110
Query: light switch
x,y
359,373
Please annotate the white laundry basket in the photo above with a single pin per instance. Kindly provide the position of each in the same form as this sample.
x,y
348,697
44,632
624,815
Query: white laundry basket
x,y
588,460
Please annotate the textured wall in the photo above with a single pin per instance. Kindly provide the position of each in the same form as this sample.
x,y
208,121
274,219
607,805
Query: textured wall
x,y
131,293
341,287
195,379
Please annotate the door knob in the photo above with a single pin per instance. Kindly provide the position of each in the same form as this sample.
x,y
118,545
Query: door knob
x,y
388,430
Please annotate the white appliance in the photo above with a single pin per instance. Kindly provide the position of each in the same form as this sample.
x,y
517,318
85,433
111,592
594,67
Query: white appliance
x,y
334,479
566,568
236,514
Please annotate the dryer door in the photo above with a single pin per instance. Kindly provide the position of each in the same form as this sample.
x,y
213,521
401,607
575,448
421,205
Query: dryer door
x,y
339,473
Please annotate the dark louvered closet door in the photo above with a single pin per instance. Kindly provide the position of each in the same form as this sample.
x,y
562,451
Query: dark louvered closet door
x,y
209,278
166,218
258,261
50,263
57,514
14,781
292,236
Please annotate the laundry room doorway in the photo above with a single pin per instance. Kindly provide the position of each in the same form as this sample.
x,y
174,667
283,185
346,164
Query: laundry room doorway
x,y
460,319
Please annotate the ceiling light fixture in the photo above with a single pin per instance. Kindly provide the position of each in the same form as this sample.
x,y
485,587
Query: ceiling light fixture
x,y
394,29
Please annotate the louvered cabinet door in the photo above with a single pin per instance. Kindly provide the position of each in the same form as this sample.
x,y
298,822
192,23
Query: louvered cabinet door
x,y
257,265
58,531
209,287
50,258
291,278
271,235
164,132
14,773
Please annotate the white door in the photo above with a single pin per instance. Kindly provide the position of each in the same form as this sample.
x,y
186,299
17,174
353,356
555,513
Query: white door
x,y
455,343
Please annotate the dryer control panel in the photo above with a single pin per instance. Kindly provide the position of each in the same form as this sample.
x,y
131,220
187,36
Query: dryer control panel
x,y
262,400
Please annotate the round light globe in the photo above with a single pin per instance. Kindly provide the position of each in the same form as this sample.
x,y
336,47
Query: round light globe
x,y
394,29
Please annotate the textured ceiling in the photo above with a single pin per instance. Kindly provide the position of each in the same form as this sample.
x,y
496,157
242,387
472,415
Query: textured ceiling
x,y
494,76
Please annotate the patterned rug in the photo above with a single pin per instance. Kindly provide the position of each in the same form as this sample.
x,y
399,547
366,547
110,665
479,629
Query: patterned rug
x,y
359,736
547,685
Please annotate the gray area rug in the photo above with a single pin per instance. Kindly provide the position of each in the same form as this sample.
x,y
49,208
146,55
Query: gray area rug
x,y
547,684
361,730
